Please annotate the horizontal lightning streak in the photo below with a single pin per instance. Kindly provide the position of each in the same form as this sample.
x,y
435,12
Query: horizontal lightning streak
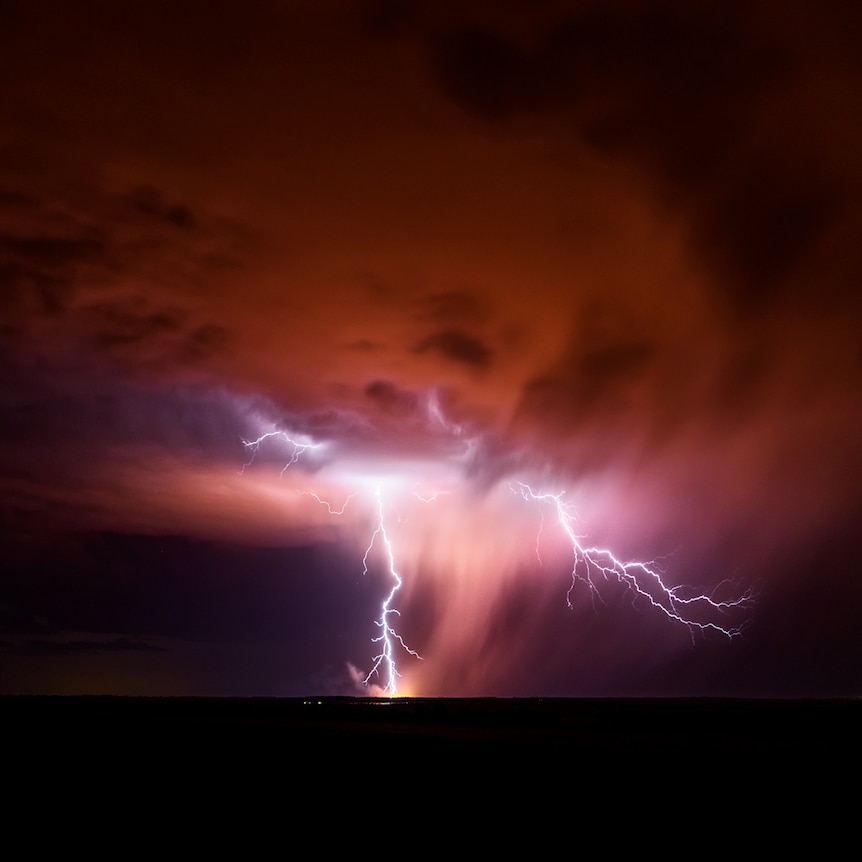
x,y
299,448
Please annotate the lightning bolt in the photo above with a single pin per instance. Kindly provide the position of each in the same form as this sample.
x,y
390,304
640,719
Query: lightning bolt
x,y
299,448
431,498
591,566
644,579
384,662
328,505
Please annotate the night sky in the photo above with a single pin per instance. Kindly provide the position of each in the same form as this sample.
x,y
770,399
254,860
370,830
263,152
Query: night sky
x,y
496,283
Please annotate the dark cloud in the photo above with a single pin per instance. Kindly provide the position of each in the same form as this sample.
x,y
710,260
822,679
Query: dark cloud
x,y
97,413
768,227
590,386
113,326
54,648
119,597
488,73
712,103
151,203
387,18
614,374
451,307
49,253
206,341
37,273
458,346
107,268
14,199
155,337
664,80
392,399
117,585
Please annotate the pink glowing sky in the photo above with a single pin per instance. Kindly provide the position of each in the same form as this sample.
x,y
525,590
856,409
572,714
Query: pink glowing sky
x,y
610,249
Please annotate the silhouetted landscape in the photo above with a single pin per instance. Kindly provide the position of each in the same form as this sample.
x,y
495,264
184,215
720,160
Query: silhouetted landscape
x,y
133,732
760,773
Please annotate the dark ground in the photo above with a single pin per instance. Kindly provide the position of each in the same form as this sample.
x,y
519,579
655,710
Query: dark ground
x,y
782,768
